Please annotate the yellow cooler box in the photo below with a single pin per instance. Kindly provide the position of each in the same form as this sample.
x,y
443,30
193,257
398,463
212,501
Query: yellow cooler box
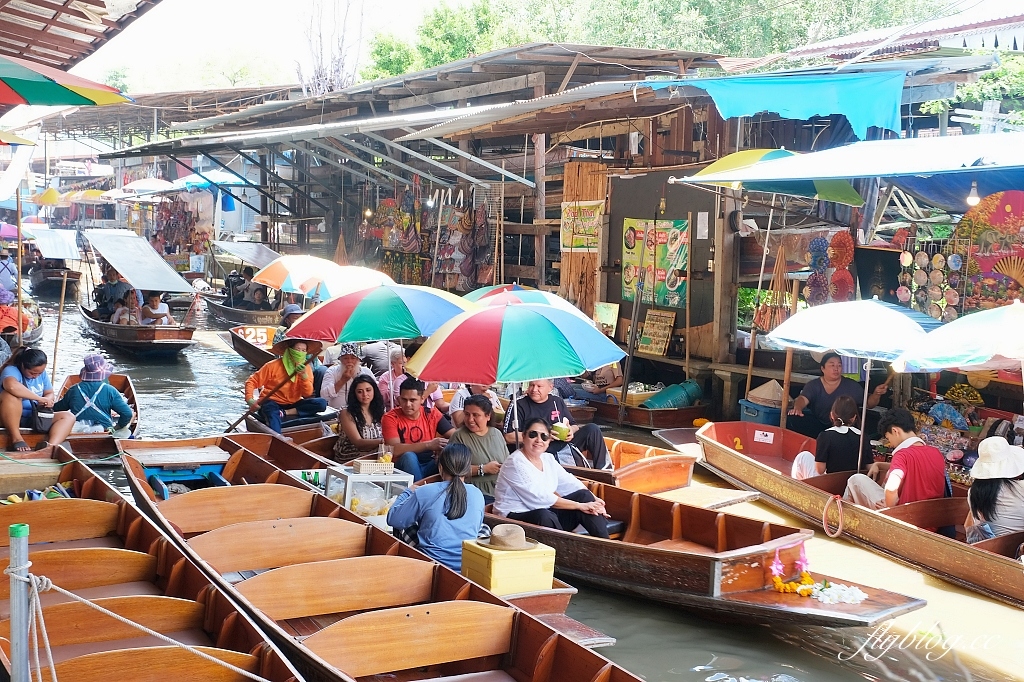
x,y
505,571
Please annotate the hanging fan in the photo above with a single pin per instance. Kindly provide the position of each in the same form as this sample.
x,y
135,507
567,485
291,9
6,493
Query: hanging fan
x,y
981,378
1011,266
840,250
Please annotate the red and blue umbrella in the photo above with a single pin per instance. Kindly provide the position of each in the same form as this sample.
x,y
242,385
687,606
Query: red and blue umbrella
x,y
512,343
388,311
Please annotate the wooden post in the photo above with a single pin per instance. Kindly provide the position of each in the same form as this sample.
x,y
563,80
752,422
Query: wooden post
x,y
17,257
789,360
689,284
60,318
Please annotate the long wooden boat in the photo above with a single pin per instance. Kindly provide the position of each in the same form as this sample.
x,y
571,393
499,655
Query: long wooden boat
x,y
104,549
143,340
123,384
32,336
240,316
643,418
48,282
758,457
706,560
253,342
344,599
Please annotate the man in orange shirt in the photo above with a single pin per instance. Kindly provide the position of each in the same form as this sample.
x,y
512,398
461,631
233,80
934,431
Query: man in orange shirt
x,y
293,398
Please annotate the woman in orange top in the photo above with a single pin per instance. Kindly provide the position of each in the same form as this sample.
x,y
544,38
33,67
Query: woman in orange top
x,y
9,313
295,397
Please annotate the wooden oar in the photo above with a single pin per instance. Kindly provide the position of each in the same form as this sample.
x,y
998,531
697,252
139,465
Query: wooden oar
x,y
266,396
60,318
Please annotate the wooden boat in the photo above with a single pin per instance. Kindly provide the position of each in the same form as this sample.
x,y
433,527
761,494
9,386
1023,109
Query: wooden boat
x,y
299,433
253,342
344,599
706,560
48,282
764,464
548,606
643,418
104,549
240,316
123,383
143,340
31,336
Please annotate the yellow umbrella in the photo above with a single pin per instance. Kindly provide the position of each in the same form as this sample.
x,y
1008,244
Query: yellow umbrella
x,y
13,140
50,197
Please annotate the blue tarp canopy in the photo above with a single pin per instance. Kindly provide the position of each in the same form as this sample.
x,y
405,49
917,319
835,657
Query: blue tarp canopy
x,y
950,191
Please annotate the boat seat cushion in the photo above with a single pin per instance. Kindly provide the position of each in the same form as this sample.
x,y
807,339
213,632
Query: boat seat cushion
x,y
615,528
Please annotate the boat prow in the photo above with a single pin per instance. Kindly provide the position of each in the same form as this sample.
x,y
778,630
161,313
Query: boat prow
x,y
253,342
237,316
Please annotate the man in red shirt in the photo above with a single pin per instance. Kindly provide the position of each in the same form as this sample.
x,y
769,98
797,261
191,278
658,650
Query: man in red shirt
x,y
917,471
416,434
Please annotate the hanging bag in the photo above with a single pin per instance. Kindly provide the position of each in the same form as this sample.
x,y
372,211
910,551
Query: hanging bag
x,y
42,418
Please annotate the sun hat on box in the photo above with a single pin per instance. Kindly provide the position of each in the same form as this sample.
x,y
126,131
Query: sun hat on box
x,y
998,459
95,368
509,537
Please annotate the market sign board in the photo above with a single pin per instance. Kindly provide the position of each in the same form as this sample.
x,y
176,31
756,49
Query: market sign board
x,y
581,225
662,248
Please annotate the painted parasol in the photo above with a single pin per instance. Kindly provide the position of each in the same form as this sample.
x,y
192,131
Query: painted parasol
x,y
512,343
24,82
533,296
387,311
485,292
301,274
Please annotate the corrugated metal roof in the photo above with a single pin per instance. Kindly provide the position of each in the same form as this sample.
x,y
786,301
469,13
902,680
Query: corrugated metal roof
x,y
986,16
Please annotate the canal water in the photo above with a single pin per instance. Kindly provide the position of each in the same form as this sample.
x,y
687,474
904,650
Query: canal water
x,y
200,392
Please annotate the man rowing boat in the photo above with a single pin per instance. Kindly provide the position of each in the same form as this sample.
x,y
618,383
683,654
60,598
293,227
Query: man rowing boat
x,y
285,384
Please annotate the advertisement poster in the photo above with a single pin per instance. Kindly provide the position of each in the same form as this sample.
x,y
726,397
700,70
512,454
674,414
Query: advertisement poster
x,y
664,248
581,224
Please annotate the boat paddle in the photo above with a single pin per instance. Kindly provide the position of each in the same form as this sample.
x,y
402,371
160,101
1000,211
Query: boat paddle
x,y
264,396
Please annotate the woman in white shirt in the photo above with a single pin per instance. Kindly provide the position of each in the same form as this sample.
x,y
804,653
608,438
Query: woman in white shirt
x,y
155,311
534,488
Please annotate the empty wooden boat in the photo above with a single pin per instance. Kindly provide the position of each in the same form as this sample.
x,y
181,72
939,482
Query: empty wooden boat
x,y
343,598
103,548
253,342
759,457
710,561
48,282
644,418
226,313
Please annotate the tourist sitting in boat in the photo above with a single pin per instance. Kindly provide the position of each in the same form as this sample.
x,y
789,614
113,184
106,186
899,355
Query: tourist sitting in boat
x,y
484,441
416,433
837,446
125,311
8,271
338,378
241,296
465,391
259,301
10,314
996,496
359,424
26,385
155,311
917,471
533,487
810,414
92,400
285,384
587,441
107,293
378,355
597,383
390,382
445,513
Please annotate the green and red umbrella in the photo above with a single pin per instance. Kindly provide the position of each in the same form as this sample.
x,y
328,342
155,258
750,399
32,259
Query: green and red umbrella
x,y
388,311
512,343
532,296
477,295
24,82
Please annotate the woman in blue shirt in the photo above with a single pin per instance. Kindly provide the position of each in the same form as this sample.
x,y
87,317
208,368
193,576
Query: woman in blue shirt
x,y
25,383
447,512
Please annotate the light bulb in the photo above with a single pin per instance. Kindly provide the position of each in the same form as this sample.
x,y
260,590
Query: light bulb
x,y
430,202
973,199
368,213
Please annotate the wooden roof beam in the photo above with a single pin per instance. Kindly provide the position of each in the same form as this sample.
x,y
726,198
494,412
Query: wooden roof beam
x,y
71,11
470,91
41,38
28,16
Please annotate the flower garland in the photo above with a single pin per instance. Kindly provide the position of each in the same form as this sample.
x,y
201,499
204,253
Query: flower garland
x,y
825,592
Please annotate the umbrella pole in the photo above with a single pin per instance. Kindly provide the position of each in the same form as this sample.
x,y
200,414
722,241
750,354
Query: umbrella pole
x,y
60,318
17,282
789,360
689,259
750,361
864,410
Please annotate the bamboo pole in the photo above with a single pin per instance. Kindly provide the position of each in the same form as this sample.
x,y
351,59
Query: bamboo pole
x,y
789,360
17,280
60,318
750,360
689,261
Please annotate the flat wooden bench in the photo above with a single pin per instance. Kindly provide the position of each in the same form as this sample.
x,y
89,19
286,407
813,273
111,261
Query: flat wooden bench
x,y
153,457
206,509
60,520
75,569
257,545
431,634
155,664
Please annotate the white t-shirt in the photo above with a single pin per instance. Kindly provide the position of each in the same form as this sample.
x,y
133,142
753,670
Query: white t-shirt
x,y
522,487
459,400
162,308
338,398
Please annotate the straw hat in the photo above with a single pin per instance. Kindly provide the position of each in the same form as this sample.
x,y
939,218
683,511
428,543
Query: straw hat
x,y
312,347
508,536
998,459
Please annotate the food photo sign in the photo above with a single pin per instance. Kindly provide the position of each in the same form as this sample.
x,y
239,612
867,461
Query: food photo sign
x,y
662,248
581,225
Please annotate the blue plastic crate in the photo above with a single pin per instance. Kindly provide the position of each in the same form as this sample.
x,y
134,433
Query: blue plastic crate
x,y
759,414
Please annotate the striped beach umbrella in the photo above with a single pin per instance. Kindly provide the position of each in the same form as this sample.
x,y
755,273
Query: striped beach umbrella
x,y
484,292
533,296
387,311
301,274
24,82
512,343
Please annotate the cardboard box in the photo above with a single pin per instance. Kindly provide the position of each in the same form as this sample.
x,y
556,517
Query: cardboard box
x,y
509,572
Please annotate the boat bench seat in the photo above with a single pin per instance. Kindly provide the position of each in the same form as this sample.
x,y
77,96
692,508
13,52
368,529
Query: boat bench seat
x,y
141,587
206,509
682,545
155,663
486,676
106,541
60,520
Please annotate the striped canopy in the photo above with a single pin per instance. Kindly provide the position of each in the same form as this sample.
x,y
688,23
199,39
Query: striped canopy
x,y
24,82
484,292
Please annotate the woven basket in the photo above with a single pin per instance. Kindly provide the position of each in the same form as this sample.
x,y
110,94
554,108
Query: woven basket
x,y
362,466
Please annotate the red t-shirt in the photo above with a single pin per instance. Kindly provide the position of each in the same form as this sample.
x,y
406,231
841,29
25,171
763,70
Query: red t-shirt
x,y
395,424
924,472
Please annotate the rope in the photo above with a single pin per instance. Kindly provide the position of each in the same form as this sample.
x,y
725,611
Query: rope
x,y
824,516
74,458
39,584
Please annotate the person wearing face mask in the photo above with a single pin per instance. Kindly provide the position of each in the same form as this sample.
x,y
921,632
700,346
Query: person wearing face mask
x,y
534,488
8,271
285,384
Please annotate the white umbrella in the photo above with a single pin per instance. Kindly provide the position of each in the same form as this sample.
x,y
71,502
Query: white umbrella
x,y
868,328
147,185
990,339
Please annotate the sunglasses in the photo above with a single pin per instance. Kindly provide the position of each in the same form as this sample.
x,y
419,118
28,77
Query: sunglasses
x,y
538,434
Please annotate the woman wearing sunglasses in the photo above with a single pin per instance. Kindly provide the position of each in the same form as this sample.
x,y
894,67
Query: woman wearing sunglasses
x,y
534,488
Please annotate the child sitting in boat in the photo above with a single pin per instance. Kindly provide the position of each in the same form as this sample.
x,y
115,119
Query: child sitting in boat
x,y
155,311
836,447
123,313
92,400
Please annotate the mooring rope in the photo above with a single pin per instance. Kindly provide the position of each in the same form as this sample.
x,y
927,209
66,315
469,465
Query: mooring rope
x,y
838,499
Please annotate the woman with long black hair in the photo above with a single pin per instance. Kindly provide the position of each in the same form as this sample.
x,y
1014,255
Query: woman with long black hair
x,y
996,496
445,513
359,430
26,385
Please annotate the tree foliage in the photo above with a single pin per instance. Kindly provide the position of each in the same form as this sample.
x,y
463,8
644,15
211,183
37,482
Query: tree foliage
x,y
390,56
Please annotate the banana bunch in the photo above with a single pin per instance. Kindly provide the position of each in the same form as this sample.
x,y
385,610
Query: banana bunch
x,y
964,393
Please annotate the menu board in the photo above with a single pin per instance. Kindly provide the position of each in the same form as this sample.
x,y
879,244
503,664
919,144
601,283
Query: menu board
x,y
657,332
662,248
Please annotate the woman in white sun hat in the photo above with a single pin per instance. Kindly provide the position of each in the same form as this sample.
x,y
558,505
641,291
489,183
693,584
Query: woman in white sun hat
x,y
996,496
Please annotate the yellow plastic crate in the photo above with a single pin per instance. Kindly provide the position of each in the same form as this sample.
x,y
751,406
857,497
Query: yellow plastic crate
x,y
509,572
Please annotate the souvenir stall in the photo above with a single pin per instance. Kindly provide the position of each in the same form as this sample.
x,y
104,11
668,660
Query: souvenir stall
x,y
402,228
465,241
